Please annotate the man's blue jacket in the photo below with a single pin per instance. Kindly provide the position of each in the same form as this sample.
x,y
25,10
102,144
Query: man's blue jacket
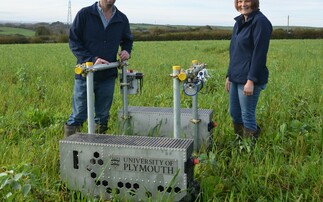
x,y
248,49
89,39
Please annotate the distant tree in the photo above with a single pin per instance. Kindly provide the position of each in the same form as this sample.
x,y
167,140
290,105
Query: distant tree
x,y
208,27
42,31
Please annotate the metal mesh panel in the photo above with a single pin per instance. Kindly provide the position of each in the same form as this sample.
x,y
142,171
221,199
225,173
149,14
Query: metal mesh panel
x,y
134,141
159,122
184,111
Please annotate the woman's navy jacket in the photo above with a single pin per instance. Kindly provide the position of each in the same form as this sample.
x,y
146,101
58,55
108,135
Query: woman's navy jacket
x,y
248,49
89,39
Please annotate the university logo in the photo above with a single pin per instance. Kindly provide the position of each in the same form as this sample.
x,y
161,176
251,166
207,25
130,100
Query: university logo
x,y
115,162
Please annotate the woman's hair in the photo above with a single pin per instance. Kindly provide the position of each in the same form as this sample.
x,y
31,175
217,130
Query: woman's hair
x,y
254,4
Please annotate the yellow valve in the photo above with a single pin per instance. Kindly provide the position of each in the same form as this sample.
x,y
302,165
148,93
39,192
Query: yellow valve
x,y
195,62
89,64
78,70
182,76
177,68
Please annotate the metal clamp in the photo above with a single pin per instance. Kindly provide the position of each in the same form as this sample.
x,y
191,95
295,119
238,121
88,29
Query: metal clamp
x,y
195,121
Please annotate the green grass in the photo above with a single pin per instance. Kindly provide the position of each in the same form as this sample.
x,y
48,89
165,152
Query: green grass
x,y
143,26
286,164
16,31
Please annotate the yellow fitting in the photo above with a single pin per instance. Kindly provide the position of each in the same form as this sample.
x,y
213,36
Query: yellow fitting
x,y
78,70
176,68
89,64
182,76
195,62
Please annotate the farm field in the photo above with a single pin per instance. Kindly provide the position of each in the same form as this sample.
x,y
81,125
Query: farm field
x,y
16,31
285,165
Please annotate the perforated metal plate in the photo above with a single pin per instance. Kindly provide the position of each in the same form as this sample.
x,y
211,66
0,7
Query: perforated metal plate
x,y
132,167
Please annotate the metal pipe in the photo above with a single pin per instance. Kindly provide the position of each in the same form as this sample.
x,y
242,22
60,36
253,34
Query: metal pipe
x,y
100,67
195,120
177,104
90,90
90,99
125,111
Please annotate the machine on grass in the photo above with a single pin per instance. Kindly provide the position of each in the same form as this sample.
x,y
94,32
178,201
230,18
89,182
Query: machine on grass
x,y
142,162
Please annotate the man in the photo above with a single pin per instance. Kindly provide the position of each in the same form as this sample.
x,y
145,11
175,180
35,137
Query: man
x,y
95,36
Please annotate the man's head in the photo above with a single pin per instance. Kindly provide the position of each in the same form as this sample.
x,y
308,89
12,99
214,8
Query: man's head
x,y
107,3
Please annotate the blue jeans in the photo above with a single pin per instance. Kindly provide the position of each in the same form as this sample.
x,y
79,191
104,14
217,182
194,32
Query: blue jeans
x,y
103,97
243,107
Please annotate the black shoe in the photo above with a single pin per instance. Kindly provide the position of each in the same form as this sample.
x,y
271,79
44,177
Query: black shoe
x,y
70,130
101,129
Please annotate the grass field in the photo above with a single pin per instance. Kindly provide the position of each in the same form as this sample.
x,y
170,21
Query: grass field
x,y
285,165
7,31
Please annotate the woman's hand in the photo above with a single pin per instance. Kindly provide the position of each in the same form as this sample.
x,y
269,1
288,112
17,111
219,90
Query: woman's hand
x,y
248,88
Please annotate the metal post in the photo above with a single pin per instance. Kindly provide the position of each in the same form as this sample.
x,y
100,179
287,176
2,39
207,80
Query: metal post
x,y
177,104
90,69
90,99
125,111
195,120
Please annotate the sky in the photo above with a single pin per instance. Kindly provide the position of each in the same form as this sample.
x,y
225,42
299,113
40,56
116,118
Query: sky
x,y
168,12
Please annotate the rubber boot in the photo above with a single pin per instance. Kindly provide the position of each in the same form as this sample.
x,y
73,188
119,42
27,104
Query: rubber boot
x,y
252,134
70,130
101,129
238,129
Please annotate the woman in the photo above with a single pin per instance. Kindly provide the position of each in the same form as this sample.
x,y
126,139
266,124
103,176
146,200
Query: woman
x,y
247,73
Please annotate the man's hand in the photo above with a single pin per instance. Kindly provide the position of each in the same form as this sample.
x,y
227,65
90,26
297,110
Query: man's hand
x,y
124,55
227,84
100,61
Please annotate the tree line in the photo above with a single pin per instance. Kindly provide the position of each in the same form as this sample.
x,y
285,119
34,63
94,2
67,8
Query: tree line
x,y
58,33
